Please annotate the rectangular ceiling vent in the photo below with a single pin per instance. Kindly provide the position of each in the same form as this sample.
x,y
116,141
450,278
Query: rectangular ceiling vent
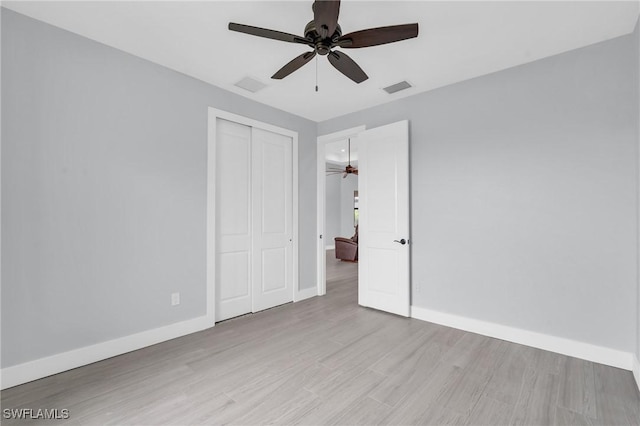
x,y
251,84
397,87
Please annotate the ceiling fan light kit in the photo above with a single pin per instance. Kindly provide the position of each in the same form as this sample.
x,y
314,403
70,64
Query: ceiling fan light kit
x,y
323,34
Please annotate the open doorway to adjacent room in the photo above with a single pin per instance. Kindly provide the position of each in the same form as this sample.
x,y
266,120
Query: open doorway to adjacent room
x,y
338,206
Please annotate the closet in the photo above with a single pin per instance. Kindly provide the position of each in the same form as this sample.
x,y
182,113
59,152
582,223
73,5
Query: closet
x,y
254,219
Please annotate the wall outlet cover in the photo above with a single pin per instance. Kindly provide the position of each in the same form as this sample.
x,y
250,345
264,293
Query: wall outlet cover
x,y
175,299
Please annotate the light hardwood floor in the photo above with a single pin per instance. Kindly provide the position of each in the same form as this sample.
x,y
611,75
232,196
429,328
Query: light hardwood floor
x,y
328,361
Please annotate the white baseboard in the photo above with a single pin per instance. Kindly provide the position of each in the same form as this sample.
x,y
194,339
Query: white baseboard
x,y
587,351
43,367
305,293
636,370
54,364
332,247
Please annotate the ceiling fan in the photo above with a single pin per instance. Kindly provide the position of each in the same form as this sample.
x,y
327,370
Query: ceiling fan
x,y
324,34
347,170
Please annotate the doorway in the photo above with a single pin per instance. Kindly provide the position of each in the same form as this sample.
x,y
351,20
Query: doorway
x,y
336,204
341,214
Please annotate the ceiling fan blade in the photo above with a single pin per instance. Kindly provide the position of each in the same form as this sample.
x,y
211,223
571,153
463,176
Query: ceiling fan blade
x,y
347,66
378,36
325,16
355,172
294,65
272,34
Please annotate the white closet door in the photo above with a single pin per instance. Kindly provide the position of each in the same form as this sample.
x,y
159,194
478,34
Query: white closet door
x,y
272,219
233,220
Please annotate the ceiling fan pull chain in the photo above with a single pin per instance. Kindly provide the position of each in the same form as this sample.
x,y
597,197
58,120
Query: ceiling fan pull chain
x,y
316,73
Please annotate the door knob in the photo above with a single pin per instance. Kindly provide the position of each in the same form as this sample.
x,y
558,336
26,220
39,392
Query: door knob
x,y
402,241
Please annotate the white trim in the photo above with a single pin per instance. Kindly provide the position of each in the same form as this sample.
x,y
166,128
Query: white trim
x,y
43,367
296,279
321,261
331,247
211,218
587,351
211,195
636,370
218,113
305,293
342,134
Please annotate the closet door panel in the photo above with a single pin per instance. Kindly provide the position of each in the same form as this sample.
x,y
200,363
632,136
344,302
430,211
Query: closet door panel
x,y
273,274
272,222
233,220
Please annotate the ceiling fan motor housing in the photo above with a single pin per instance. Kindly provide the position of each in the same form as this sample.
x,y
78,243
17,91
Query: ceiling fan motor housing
x,y
322,46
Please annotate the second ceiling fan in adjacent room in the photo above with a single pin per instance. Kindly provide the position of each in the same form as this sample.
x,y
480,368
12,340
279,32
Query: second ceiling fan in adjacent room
x,y
348,170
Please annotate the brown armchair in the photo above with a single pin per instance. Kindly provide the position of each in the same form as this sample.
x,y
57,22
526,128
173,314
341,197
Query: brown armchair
x,y
347,248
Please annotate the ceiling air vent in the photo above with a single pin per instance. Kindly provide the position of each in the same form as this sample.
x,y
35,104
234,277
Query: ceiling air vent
x,y
397,87
251,84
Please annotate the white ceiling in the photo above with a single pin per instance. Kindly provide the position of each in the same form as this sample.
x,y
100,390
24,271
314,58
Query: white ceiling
x,y
457,41
338,152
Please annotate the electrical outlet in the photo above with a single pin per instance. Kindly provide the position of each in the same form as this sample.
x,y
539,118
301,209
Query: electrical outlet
x,y
175,299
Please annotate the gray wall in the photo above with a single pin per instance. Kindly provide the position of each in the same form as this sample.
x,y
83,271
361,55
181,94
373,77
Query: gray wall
x,y
523,189
332,207
104,190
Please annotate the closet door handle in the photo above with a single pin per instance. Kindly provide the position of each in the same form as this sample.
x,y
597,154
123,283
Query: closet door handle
x,y
402,241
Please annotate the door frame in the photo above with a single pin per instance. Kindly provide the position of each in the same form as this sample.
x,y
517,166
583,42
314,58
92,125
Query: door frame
x,y
213,115
321,259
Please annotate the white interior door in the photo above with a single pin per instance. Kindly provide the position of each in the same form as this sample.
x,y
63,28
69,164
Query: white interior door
x,y
272,219
383,241
233,219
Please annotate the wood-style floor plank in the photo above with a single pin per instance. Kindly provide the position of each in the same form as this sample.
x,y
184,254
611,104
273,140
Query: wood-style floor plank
x,y
537,403
508,375
490,411
328,361
577,388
